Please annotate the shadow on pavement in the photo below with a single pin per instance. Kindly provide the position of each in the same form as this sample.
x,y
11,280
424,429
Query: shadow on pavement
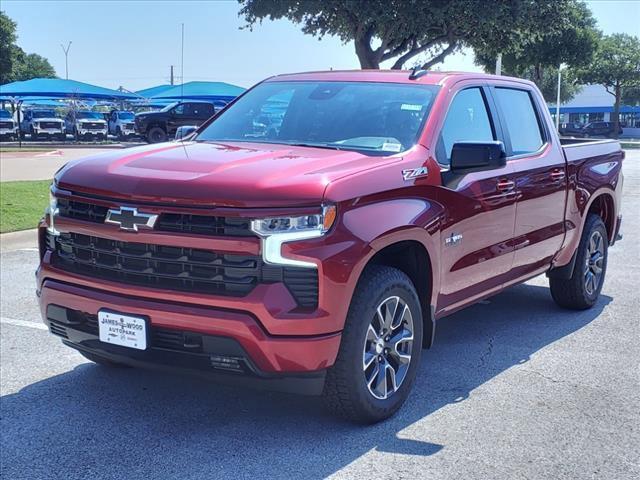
x,y
126,423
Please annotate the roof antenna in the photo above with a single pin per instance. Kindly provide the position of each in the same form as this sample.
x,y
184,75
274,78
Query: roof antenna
x,y
417,72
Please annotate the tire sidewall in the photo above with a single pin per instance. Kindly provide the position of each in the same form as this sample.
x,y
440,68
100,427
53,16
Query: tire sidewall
x,y
594,224
360,318
157,135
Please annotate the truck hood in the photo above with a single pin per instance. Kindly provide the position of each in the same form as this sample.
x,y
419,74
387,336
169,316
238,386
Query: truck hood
x,y
48,119
215,174
91,120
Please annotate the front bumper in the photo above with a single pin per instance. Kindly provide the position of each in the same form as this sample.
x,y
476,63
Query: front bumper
x,y
89,131
226,346
9,131
49,131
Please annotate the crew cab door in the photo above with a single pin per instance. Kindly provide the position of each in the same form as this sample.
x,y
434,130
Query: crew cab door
x,y
478,226
540,173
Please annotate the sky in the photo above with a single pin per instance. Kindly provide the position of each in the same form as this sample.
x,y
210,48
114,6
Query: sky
x,y
133,43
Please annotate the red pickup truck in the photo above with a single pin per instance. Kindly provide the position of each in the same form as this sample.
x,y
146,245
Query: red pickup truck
x,y
310,235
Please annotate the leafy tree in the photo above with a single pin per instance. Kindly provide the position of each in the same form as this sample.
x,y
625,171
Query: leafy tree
x,y
30,65
616,65
402,29
7,39
15,64
572,43
631,95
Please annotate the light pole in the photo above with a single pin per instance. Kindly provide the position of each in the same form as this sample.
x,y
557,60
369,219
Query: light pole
x,y
66,59
558,97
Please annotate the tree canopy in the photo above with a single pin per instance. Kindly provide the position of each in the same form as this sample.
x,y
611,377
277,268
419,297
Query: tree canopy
x,y
15,63
401,30
571,43
616,66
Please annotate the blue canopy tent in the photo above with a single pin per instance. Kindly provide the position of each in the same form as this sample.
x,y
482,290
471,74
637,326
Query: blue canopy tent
x,y
59,88
218,92
56,88
153,91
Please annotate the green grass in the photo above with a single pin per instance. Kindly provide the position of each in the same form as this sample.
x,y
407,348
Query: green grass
x,y
22,204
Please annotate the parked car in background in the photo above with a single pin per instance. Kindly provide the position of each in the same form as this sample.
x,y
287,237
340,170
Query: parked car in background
x,y
572,129
43,124
319,255
600,129
85,124
160,125
122,124
8,126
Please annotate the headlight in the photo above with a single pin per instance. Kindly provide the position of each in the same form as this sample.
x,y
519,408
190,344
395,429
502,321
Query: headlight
x,y
278,230
52,210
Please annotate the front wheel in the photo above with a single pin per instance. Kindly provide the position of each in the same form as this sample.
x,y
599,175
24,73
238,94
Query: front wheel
x,y
582,289
156,135
380,349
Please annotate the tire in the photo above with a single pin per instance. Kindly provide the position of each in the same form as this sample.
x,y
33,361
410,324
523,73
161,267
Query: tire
x,y
119,134
102,361
582,290
156,135
347,391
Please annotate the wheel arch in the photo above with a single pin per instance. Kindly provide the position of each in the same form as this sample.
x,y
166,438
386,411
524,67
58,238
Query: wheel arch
x,y
603,205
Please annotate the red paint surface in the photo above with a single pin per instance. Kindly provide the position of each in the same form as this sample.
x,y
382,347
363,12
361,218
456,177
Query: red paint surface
x,y
507,236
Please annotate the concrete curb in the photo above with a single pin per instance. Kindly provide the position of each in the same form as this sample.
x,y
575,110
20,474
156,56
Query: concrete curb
x,y
18,240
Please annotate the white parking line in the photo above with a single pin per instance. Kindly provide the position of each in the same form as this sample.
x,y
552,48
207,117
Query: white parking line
x,y
23,323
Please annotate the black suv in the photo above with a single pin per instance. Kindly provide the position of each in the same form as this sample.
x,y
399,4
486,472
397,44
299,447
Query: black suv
x,y
158,126
597,129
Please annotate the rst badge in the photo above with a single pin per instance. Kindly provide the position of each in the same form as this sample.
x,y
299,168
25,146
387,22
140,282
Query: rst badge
x,y
411,173
128,218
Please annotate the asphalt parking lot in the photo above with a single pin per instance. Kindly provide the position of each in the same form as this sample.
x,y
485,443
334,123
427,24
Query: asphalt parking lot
x,y
515,388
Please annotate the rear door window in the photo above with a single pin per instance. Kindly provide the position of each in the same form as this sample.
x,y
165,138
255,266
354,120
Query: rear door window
x,y
467,121
521,120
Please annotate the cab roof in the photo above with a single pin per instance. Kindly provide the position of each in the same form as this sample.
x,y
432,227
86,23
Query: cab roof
x,y
387,76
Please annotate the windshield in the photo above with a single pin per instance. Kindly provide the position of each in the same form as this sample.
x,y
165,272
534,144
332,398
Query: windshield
x,y
44,114
126,115
4,114
96,115
169,107
369,117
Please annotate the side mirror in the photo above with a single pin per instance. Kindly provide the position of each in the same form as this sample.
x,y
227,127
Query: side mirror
x,y
477,156
184,131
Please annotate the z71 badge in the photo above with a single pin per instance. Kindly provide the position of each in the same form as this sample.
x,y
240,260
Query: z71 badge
x,y
411,173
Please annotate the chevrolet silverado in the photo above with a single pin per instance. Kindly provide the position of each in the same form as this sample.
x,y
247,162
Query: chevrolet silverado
x,y
317,256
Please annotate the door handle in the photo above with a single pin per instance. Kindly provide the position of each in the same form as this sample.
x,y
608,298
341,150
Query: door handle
x,y
557,175
506,185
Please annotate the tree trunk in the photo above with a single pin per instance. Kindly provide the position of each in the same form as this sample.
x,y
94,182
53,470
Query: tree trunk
x,y
616,111
366,55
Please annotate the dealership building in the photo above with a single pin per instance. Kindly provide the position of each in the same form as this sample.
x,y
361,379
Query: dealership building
x,y
595,104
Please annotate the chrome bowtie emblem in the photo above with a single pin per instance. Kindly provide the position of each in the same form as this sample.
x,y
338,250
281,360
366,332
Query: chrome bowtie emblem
x,y
128,218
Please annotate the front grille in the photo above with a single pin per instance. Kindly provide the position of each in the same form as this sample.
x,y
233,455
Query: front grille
x,y
177,268
6,125
93,126
204,225
81,210
167,222
49,125
157,266
130,126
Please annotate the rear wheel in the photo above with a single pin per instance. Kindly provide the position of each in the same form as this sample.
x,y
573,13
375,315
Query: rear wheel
x,y
102,361
582,290
156,135
380,349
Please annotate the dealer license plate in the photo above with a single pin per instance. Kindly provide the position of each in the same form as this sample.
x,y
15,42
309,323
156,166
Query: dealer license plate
x,y
123,330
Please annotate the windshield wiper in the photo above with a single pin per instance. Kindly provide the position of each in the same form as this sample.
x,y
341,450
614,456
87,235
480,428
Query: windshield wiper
x,y
313,145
